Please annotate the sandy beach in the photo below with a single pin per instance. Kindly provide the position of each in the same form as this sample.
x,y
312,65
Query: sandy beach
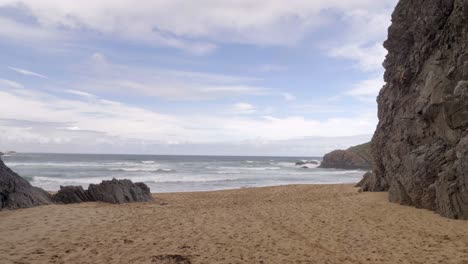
x,y
286,224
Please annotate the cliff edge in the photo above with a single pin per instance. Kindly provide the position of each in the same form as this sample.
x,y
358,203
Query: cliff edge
x,y
420,147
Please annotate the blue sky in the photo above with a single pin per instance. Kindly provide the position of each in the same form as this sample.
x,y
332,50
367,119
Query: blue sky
x,y
190,77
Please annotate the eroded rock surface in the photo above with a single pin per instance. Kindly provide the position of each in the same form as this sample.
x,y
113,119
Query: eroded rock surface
x,y
113,191
16,192
120,191
420,146
71,194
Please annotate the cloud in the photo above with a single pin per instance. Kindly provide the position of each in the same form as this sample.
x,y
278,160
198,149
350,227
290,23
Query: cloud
x,y
367,58
116,123
100,74
268,68
288,96
197,27
367,90
363,41
12,30
27,72
243,108
81,93
12,84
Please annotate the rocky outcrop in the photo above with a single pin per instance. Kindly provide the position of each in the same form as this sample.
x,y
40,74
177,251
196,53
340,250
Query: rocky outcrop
x,y
16,192
113,191
71,194
357,157
370,181
306,162
120,191
420,146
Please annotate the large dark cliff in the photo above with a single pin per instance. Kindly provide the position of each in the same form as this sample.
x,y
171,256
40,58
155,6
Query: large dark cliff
x,y
420,147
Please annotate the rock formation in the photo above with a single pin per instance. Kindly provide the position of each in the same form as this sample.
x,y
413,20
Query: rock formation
x,y
357,157
16,192
305,162
120,191
370,182
113,191
420,147
71,194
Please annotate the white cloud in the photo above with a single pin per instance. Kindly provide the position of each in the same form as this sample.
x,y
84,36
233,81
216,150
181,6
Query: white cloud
x,y
288,96
12,84
12,30
243,108
81,93
367,90
100,74
368,58
27,72
115,123
195,26
363,41
268,68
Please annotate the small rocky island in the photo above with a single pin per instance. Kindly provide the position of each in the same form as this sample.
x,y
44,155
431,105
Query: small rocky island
x,y
357,157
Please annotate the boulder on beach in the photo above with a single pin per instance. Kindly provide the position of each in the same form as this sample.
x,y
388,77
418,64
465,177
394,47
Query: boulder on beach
x,y
113,191
71,194
357,157
120,191
16,192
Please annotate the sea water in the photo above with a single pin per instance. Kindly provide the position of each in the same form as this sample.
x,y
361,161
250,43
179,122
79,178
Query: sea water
x,y
172,173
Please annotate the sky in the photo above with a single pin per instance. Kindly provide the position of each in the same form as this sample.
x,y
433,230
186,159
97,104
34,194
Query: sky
x,y
205,77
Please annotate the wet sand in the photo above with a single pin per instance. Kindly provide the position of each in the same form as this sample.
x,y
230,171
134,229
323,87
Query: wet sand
x,y
287,224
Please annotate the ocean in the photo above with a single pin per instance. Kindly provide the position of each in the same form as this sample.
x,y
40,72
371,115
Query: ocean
x,y
172,173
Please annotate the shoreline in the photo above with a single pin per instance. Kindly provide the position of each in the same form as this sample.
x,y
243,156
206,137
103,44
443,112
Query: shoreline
x,y
281,224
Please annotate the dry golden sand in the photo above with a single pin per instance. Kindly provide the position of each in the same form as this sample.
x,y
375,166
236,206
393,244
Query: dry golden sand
x,y
289,224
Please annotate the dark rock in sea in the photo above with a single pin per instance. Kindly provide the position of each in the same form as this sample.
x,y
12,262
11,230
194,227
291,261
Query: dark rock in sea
x,y
305,167
119,191
71,194
420,147
16,192
302,162
357,157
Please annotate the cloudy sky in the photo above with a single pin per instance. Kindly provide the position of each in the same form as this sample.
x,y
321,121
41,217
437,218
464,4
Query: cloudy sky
x,y
245,77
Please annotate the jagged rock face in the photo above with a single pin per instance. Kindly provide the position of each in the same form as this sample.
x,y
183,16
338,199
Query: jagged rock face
x,y
370,181
71,194
357,157
113,191
120,191
16,192
421,142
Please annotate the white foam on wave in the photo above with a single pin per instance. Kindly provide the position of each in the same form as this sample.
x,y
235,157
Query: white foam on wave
x,y
148,161
249,168
227,172
142,169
